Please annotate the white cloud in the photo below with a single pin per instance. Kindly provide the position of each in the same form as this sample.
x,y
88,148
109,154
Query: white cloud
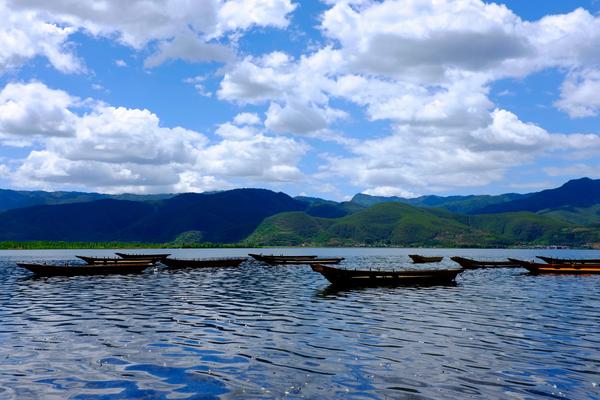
x,y
389,191
183,29
117,149
120,63
32,110
243,14
246,119
579,94
23,35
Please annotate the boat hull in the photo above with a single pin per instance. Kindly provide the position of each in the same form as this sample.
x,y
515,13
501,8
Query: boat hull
x,y
153,257
273,258
572,269
175,263
114,261
76,270
551,260
468,263
417,259
344,277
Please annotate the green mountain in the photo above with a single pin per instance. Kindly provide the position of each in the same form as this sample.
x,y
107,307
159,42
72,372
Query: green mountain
x,y
11,199
397,224
458,204
222,217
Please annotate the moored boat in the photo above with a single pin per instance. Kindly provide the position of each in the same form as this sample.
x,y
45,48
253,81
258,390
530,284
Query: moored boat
x,y
553,260
417,259
83,269
174,263
539,268
350,277
113,260
154,257
468,263
333,260
272,258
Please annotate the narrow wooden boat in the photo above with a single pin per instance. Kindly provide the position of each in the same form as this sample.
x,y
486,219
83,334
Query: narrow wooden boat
x,y
552,260
271,257
417,259
82,269
468,263
349,277
174,263
334,260
154,257
539,268
114,260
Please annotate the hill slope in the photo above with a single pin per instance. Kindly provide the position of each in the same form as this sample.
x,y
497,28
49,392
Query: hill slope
x,y
584,192
397,224
11,199
223,217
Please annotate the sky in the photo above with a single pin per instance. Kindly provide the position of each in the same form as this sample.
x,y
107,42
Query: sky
x,y
318,98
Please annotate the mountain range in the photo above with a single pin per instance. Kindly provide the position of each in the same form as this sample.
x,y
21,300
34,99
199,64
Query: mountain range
x,y
568,215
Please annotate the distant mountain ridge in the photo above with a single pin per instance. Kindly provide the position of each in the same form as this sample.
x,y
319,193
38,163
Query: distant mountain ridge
x,y
223,217
568,215
584,192
469,204
11,199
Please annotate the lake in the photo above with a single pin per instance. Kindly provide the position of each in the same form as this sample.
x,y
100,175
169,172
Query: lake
x,y
283,332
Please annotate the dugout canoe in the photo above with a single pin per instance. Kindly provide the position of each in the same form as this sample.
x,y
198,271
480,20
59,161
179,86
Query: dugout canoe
x,y
113,260
153,257
468,263
83,269
274,258
553,260
417,259
352,277
577,269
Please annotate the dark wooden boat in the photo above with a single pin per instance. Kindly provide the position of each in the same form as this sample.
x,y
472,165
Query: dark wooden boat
x,y
271,257
154,257
539,268
349,277
334,260
417,259
174,263
83,269
114,260
468,263
552,260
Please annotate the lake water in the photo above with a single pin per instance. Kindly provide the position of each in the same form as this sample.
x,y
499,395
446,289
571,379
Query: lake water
x,y
282,332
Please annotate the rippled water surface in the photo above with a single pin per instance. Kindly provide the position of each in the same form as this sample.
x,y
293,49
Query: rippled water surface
x,y
274,332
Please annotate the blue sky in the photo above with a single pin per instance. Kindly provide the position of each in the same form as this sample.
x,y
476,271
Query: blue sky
x,y
320,98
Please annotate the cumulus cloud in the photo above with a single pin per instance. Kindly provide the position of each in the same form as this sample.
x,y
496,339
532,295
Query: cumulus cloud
x,y
117,149
183,29
24,35
32,110
579,94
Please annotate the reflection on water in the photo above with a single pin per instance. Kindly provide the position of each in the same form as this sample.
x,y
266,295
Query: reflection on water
x,y
272,332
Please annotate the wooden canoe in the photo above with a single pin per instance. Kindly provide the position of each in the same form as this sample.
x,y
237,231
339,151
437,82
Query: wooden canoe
x,y
468,263
417,259
114,260
349,277
334,260
274,258
175,263
539,268
82,269
552,260
154,257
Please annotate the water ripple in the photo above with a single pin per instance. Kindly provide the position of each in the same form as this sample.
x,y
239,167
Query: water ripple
x,y
273,332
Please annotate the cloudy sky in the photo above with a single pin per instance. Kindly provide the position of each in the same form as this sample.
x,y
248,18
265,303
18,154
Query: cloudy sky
x,y
323,98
